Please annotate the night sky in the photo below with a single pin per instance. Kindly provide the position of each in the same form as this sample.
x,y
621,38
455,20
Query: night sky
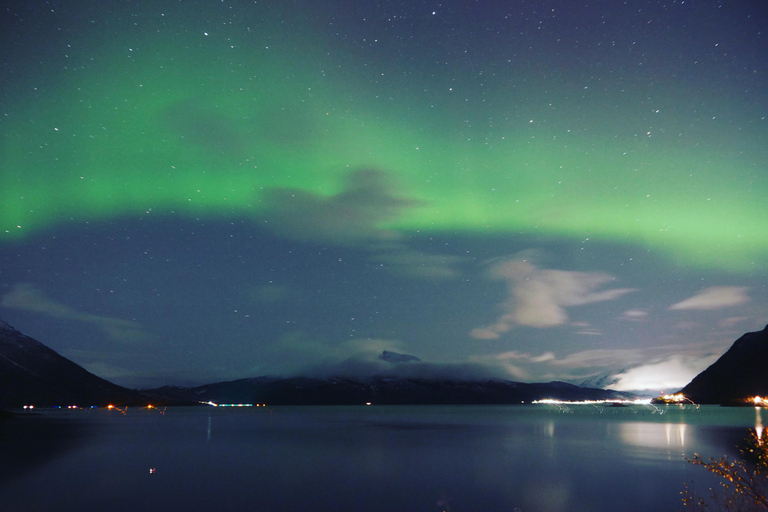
x,y
197,191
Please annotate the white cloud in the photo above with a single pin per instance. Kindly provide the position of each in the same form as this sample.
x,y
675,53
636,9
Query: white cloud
x,y
484,333
715,297
668,375
600,358
539,297
520,356
634,315
732,321
546,366
27,297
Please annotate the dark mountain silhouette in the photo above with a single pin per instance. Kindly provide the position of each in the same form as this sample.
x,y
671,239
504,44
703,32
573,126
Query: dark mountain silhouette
x,y
381,391
33,374
395,357
740,373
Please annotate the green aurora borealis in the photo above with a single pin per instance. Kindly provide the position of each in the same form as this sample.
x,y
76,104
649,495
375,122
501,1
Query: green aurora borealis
x,y
141,125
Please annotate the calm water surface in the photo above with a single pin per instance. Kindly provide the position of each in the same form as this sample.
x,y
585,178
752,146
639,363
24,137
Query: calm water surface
x,y
428,459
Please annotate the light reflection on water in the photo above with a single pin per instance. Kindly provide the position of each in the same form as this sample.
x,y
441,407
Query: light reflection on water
x,y
349,459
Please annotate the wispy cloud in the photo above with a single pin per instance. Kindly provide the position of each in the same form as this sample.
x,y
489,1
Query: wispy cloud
x,y
298,354
547,366
514,355
715,297
295,352
539,297
27,297
601,358
635,315
416,264
667,372
356,217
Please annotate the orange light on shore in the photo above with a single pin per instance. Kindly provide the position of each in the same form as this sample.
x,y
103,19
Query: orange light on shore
x,y
757,400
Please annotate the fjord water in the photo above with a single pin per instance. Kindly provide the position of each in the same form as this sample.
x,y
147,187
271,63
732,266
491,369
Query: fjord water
x,y
532,458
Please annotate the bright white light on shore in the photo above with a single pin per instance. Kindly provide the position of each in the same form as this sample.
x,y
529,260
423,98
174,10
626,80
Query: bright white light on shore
x,y
638,401
214,404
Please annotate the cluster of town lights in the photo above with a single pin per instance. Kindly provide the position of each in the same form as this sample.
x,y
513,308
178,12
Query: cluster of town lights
x,y
214,404
638,401
677,398
149,406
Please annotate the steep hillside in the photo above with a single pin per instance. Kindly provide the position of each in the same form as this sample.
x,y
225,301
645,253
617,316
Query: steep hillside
x,y
740,373
33,374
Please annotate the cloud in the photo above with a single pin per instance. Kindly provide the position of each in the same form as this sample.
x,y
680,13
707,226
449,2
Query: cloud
x,y
603,367
669,372
634,315
520,356
484,333
351,217
601,358
667,375
546,366
27,297
539,297
416,264
715,297
297,354
206,127
732,321
354,218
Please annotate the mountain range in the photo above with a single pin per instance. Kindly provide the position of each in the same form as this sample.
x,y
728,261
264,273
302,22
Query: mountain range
x,y
383,390
33,374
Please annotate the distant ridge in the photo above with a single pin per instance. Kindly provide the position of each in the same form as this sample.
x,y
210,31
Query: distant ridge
x,y
382,391
33,374
740,373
